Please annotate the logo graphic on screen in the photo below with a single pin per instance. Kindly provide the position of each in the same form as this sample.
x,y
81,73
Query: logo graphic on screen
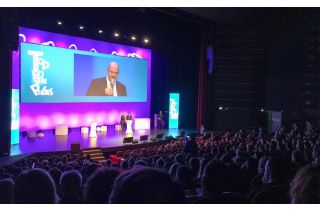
x,y
39,86
173,110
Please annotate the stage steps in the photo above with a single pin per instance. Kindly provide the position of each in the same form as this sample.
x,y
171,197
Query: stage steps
x,y
95,154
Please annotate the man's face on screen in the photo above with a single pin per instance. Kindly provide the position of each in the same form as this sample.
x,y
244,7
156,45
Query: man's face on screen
x,y
113,71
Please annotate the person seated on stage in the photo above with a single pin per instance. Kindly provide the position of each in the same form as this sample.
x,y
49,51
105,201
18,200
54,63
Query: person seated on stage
x,y
108,86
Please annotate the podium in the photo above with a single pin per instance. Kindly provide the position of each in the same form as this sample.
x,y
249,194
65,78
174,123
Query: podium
x,y
129,126
93,130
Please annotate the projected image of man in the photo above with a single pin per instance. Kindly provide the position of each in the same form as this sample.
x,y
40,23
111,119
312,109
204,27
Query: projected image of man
x,y
109,85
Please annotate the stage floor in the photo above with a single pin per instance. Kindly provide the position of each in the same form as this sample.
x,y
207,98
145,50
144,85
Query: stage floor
x,y
112,138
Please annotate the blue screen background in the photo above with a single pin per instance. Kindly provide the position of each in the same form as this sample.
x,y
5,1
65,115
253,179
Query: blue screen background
x,y
71,72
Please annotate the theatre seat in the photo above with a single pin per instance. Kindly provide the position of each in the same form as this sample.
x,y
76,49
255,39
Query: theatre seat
x,y
61,130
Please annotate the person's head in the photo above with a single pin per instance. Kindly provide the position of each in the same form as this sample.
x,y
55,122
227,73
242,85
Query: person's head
x,y
184,176
194,165
34,186
124,165
305,186
173,170
146,185
275,170
6,188
297,158
215,178
55,174
113,71
160,163
261,164
70,184
98,187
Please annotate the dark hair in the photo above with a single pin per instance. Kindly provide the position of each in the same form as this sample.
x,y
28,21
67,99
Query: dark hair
x,y
146,185
55,174
305,186
6,188
215,178
98,187
70,186
34,186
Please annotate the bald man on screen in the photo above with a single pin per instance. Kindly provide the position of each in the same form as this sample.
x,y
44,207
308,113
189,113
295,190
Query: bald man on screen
x,y
108,86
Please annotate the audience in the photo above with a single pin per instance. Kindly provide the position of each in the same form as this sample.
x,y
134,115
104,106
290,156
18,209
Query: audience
x,y
241,167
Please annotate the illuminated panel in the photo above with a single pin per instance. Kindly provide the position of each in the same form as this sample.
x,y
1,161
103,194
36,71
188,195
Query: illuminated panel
x,y
142,123
174,110
15,119
35,116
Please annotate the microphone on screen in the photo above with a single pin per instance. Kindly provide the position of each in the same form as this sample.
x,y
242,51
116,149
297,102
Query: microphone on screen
x,y
112,83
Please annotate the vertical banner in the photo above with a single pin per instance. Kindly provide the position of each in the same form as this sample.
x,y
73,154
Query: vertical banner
x,y
15,119
174,110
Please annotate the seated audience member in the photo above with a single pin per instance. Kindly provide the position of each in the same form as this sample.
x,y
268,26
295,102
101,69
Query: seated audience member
x,y
124,165
276,188
256,182
194,166
173,170
55,173
34,186
146,185
191,147
305,187
98,186
6,188
70,187
214,182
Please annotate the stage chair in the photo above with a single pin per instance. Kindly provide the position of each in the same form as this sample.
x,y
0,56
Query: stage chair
x,y
61,130
104,128
31,134
117,127
84,130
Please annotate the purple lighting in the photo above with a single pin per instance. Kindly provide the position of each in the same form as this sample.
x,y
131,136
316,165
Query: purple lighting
x,y
46,116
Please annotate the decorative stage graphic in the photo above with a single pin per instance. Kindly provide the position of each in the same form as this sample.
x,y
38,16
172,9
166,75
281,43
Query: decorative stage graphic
x,y
57,75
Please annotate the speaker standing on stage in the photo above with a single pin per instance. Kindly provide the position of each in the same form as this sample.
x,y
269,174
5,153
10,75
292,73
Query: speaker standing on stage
x,y
123,121
108,86
160,119
129,116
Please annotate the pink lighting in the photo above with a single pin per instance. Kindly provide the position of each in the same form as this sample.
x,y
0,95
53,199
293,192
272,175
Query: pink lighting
x,y
34,40
43,122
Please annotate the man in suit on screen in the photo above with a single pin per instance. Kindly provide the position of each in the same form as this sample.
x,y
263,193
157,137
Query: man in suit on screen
x,y
108,86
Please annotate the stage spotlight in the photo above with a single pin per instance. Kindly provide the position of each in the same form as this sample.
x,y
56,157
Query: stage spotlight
x,y
146,41
59,22
220,108
116,34
100,31
133,38
261,110
81,27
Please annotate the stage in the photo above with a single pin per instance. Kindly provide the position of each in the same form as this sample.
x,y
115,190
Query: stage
x,y
110,139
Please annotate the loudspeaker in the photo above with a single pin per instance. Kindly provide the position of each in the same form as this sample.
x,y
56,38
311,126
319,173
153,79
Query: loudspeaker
x,y
75,147
144,137
127,140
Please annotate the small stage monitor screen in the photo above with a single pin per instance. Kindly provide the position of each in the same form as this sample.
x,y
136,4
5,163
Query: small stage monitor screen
x,y
57,75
